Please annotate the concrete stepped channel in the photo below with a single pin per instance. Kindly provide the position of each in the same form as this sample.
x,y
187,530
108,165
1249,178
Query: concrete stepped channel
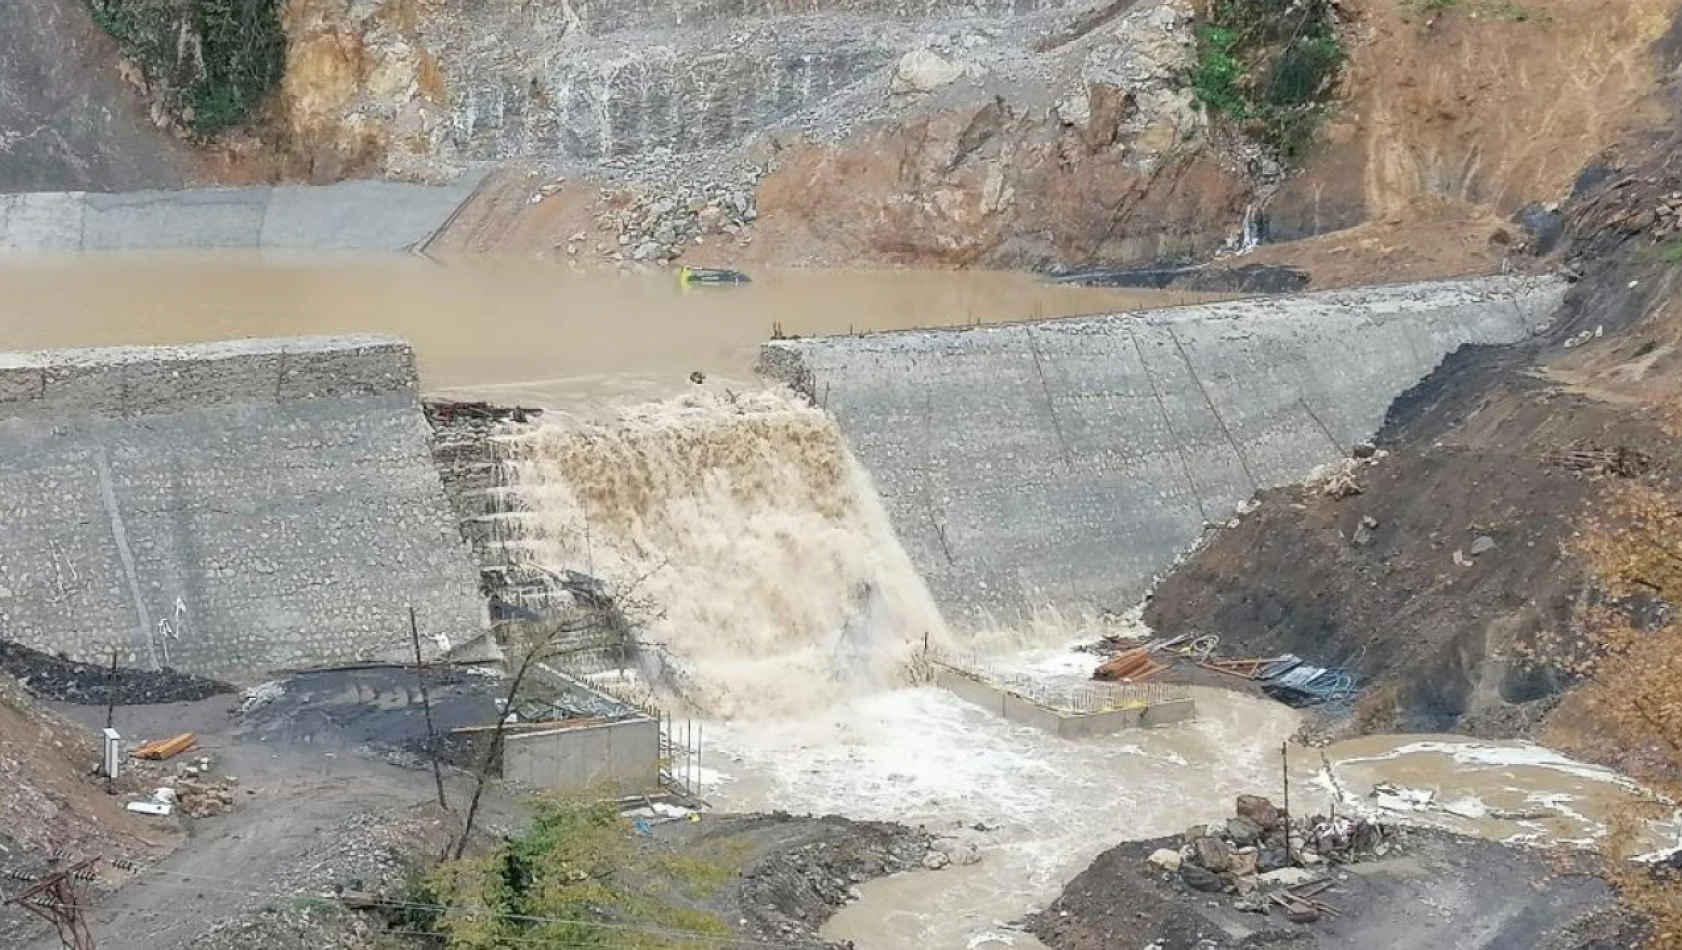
x,y
236,508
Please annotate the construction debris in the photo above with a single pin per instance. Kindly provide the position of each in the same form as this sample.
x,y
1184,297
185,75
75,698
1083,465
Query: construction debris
x,y
1285,677
1130,666
166,748
1257,852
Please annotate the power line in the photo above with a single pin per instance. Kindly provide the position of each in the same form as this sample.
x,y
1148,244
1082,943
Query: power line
x,y
54,900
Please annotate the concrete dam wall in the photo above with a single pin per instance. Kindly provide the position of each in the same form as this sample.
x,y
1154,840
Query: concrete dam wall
x,y
225,509
1066,463
357,215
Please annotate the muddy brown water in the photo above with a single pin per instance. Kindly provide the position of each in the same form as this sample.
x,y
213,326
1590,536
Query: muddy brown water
x,y
531,333
1050,806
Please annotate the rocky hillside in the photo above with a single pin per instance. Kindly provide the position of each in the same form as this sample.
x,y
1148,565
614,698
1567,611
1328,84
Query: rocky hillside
x,y
968,132
1460,551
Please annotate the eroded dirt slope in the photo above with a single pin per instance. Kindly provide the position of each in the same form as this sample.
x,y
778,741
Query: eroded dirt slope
x,y
1458,551
50,804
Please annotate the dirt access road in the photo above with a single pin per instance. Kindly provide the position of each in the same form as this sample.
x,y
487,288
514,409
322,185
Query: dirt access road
x,y
309,817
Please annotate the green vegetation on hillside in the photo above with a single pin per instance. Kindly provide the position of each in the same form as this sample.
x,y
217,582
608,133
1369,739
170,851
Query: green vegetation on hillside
x,y
1271,66
209,62
578,877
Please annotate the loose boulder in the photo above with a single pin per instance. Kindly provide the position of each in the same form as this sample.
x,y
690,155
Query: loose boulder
x,y
1243,831
1199,879
1165,858
1212,854
1258,810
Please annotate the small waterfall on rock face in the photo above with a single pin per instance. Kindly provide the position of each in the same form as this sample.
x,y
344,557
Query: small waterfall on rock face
x,y
745,539
1249,237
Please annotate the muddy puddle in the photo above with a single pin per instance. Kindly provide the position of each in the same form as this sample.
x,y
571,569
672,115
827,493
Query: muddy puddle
x,y
530,333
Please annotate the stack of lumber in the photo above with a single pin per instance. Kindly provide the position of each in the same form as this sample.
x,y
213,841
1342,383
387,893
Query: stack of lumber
x,y
1129,666
166,748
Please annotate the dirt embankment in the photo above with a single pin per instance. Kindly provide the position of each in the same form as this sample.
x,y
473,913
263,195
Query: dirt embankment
x,y
52,805
1458,552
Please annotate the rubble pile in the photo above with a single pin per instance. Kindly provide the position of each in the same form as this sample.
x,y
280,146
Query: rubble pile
x,y
62,680
191,791
1266,861
1339,480
659,227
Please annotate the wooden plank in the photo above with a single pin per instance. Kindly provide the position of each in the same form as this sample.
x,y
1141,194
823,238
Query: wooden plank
x,y
166,748
516,726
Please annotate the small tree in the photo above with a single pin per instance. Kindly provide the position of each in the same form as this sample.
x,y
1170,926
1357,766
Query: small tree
x,y
578,877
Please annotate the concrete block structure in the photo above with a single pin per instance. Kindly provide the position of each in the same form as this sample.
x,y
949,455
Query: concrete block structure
x,y
354,215
226,509
1067,463
1127,708
612,758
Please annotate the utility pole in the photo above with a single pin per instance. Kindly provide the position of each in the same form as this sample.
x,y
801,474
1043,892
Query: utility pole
x,y
53,899
111,692
1285,771
426,705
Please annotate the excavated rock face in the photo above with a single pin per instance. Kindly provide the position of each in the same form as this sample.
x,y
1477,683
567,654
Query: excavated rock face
x,y
980,184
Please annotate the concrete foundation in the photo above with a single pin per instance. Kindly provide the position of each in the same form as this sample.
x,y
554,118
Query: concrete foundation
x,y
1066,463
616,758
226,509
357,215
1005,703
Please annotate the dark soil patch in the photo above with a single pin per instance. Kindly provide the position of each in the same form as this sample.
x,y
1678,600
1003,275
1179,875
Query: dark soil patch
x,y
1438,890
60,680
1485,454
799,871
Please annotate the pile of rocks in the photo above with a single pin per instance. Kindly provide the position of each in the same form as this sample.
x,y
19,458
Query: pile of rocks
x,y
1256,849
1667,217
191,790
658,227
203,797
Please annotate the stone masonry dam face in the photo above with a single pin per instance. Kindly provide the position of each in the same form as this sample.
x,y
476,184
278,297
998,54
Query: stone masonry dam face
x,y
226,509
1065,464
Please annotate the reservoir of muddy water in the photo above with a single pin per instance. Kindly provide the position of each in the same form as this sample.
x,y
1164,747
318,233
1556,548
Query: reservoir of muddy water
x,y
511,332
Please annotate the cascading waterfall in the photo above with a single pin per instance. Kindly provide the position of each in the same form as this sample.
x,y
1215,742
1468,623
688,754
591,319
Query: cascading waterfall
x,y
1249,237
751,546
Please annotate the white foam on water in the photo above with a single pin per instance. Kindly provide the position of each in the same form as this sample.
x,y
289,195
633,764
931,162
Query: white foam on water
x,y
924,757
1499,755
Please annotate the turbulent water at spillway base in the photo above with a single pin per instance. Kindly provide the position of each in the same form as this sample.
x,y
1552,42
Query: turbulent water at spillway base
x,y
762,562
